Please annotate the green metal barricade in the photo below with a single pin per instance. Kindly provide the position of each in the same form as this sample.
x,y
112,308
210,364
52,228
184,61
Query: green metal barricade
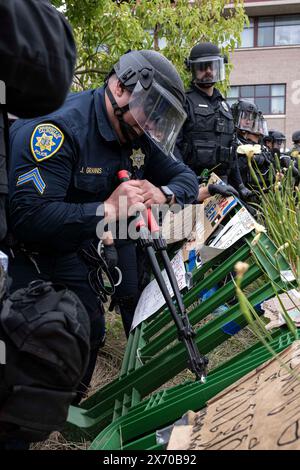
x,y
137,429
121,415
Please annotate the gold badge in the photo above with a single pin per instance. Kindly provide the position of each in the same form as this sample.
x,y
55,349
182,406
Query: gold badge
x,y
138,158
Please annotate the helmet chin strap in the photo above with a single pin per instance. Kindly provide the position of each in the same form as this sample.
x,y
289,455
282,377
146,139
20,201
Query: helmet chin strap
x,y
127,131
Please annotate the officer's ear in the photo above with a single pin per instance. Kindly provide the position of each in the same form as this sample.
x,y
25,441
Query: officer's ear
x,y
119,88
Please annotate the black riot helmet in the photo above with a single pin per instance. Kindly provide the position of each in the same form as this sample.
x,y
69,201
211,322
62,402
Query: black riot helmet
x,y
206,64
278,140
268,139
157,97
246,116
296,137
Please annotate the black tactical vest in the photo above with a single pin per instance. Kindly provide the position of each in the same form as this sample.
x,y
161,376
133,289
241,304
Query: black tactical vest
x,y
208,134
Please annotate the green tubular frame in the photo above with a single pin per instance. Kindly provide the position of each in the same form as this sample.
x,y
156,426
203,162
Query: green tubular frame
x,y
137,430
119,415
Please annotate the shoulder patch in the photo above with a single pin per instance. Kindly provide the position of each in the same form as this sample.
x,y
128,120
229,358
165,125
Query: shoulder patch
x,y
45,141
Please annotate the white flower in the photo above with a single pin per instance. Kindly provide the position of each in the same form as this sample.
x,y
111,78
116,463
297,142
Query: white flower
x,y
241,268
259,228
249,150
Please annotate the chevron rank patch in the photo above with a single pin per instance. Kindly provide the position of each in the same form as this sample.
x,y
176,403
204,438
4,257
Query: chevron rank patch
x,y
45,141
33,176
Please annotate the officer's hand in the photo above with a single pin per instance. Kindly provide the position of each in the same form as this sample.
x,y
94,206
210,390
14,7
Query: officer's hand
x,y
223,189
203,193
125,201
245,193
152,194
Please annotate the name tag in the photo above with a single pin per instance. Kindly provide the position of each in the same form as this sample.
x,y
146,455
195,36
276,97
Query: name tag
x,y
91,170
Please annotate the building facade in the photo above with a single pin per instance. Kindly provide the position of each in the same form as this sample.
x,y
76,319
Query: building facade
x,y
266,67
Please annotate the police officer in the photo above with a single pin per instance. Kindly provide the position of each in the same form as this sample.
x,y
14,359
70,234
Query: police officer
x,y
251,128
276,142
37,55
206,139
63,176
267,140
294,154
295,151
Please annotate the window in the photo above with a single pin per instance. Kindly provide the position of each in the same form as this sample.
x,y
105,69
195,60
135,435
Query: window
x,y
247,39
270,99
287,30
265,34
266,31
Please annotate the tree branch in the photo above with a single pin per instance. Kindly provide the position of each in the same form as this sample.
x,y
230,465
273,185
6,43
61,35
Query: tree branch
x,y
82,72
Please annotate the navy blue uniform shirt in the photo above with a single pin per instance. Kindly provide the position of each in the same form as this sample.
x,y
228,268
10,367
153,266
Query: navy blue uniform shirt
x,y
62,166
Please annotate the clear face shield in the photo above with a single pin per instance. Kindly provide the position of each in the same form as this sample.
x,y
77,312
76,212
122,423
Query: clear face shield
x,y
208,70
262,126
158,113
248,121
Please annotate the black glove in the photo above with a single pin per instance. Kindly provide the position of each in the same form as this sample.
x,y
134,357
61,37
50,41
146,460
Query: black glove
x,y
245,193
223,189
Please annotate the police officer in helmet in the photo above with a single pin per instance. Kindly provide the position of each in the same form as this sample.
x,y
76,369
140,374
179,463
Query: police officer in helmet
x,y
206,139
277,144
267,140
63,180
294,154
295,151
251,128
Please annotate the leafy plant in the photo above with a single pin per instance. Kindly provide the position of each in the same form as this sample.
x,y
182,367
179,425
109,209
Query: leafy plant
x,y
256,324
106,29
279,211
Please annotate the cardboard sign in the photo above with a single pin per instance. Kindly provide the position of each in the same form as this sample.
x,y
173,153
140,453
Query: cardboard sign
x,y
259,412
152,299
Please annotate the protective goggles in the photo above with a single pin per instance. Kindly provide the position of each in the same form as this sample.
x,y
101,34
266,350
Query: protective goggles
x,y
158,113
208,69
